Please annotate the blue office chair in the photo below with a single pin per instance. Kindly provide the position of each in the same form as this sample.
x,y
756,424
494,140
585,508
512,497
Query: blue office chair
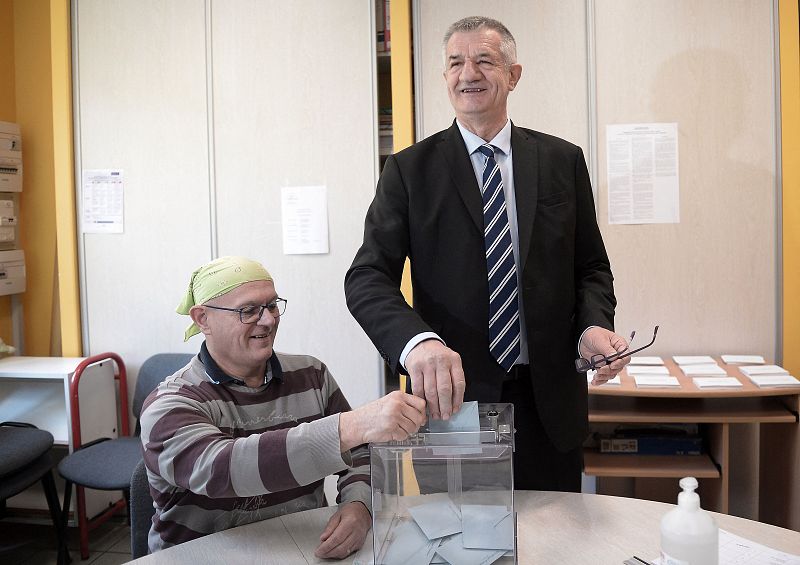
x,y
24,460
108,464
142,511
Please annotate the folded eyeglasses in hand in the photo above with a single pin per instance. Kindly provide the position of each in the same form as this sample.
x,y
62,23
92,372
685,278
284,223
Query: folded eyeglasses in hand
x,y
598,360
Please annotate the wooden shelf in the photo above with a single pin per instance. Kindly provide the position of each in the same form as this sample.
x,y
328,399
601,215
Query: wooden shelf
x,y
649,466
771,410
762,416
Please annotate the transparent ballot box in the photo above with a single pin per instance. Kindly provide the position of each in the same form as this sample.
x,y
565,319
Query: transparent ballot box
x,y
446,495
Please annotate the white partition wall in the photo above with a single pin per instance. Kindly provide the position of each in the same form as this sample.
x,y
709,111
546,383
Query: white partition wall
x,y
294,105
140,79
210,108
710,280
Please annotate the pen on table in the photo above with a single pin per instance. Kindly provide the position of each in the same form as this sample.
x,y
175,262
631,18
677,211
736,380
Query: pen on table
x,y
637,561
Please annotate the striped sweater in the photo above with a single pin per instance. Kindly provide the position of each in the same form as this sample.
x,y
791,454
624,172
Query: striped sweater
x,y
220,454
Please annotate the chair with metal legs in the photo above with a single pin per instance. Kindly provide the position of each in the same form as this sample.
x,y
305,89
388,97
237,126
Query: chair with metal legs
x,y
108,464
24,460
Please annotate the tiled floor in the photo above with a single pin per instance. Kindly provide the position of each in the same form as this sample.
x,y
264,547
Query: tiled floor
x,y
24,544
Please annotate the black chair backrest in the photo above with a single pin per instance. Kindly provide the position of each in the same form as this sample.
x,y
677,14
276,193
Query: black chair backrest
x,y
154,370
141,511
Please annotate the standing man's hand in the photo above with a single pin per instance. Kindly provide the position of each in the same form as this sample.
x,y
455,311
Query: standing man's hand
x,y
345,532
600,340
436,375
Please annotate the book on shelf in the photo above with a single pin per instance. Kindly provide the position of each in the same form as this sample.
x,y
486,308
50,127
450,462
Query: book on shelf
x,y
387,28
380,25
382,28
652,440
751,370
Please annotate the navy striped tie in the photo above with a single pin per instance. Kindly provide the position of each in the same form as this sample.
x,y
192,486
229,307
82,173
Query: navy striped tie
x,y
504,328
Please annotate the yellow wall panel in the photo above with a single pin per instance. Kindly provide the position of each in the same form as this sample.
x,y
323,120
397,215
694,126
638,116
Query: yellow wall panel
x,y
67,303
790,131
8,113
37,206
7,100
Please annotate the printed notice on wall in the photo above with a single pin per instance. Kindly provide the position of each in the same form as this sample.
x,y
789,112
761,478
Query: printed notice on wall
x,y
304,216
642,164
102,198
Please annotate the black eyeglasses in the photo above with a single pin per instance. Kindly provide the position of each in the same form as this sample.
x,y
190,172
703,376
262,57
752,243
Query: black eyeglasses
x,y
252,314
598,360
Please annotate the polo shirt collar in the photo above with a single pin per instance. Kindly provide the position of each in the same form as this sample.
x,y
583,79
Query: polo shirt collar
x,y
218,376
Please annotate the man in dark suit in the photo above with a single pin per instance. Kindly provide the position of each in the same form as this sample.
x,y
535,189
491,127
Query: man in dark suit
x,y
460,204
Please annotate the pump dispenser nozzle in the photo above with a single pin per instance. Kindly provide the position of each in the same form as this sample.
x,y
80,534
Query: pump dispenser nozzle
x,y
688,498
689,534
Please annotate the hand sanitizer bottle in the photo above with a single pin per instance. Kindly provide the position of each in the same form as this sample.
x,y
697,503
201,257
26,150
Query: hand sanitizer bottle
x,y
689,535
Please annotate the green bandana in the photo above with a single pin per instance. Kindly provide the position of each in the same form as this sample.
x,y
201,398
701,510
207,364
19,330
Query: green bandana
x,y
217,278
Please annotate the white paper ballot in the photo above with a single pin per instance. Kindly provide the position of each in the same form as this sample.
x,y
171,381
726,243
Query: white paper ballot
x,y
304,219
408,544
763,370
102,201
487,527
453,550
716,382
643,175
656,381
437,519
693,359
703,370
646,360
647,370
774,380
465,420
743,359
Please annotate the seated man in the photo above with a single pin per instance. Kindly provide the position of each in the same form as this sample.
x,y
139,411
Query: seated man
x,y
243,433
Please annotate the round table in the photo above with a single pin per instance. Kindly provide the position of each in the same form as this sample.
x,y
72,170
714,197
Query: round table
x,y
552,527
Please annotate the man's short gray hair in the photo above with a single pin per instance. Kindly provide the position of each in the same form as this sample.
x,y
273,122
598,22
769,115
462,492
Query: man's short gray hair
x,y
508,46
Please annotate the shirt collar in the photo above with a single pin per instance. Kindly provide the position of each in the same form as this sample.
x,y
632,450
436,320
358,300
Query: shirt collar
x,y
218,376
501,141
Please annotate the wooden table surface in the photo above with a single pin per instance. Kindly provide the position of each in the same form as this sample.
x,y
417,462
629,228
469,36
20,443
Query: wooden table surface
x,y
553,527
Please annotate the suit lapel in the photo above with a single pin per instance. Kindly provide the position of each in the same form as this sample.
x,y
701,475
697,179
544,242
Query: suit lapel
x,y
525,154
461,172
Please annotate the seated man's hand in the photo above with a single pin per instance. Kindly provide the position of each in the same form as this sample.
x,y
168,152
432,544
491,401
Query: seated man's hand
x,y
392,417
600,340
345,532
436,375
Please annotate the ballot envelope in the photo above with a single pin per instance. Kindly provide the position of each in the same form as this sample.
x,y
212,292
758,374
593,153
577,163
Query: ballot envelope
x,y
446,494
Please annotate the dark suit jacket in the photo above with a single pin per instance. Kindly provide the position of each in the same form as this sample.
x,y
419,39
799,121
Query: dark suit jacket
x,y
428,207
